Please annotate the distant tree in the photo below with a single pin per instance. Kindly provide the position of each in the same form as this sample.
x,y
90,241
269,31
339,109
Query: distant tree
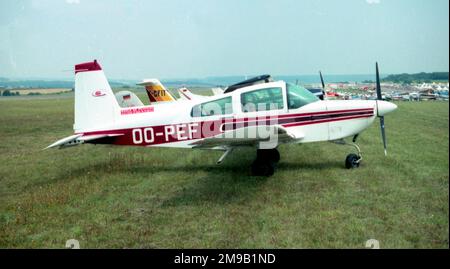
x,y
418,78
6,93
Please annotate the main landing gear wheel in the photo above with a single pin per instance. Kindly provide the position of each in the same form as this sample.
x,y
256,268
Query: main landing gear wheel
x,y
352,161
261,168
271,155
264,165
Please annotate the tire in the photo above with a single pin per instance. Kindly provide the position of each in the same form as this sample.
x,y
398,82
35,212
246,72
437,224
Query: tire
x,y
262,168
274,155
270,155
351,161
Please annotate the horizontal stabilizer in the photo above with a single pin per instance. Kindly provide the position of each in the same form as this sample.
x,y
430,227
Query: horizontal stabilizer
x,y
77,139
65,141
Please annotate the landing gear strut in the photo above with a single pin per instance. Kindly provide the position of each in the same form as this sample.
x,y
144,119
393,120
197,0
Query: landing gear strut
x,y
352,160
264,165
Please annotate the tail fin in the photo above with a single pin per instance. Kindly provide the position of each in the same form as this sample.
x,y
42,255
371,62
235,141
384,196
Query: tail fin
x,y
186,94
95,104
156,91
217,91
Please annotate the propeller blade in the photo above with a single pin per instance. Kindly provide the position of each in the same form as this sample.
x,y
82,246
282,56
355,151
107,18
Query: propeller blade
x,y
321,80
378,83
324,92
379,97
383,134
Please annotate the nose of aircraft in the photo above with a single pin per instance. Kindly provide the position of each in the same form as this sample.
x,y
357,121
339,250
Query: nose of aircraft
x,y
385,107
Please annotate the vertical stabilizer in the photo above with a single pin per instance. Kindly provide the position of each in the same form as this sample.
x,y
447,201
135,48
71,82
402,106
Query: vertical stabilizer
x,y
95,105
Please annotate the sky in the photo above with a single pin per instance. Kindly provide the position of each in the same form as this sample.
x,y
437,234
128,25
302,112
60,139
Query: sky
x,y
137,39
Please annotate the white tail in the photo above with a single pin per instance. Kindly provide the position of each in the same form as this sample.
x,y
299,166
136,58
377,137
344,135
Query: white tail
x,y
96,107
186,94
217,91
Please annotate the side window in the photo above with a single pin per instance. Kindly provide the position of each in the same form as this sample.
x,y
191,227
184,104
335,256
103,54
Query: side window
x,y
262,100
216,107
298,96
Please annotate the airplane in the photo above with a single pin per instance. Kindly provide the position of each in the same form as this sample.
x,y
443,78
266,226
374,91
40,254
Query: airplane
x,y
161,94
261,115
186,94
156,92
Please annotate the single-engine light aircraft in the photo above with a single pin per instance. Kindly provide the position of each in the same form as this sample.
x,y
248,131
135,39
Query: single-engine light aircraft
x,y
259,113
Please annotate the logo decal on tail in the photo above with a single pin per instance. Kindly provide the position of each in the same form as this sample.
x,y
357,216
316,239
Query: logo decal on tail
x,y
98,93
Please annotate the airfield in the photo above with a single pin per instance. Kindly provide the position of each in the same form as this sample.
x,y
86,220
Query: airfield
x,y
130,197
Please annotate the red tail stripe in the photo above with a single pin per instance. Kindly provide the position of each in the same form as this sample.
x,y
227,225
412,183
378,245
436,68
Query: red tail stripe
x,y
89,66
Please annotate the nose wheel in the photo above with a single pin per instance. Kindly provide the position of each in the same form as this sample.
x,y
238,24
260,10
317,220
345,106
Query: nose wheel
x,y
265,162
352,160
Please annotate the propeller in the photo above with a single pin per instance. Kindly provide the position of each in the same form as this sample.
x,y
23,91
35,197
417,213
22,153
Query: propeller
x,y
321,80
379,98
323,85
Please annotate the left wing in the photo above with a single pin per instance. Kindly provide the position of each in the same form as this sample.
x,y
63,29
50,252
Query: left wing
x,y
230,139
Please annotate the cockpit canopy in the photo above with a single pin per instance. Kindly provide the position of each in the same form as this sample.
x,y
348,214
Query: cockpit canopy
x,y
264,98
249,82
297,96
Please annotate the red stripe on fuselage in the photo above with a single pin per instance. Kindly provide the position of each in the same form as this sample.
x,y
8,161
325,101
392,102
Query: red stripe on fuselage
x,y
307,114
326,120
162,134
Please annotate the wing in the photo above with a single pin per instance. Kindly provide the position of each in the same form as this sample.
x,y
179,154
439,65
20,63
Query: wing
x,y
235,138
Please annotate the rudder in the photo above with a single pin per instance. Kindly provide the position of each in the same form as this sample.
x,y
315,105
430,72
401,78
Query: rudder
x,y
96,107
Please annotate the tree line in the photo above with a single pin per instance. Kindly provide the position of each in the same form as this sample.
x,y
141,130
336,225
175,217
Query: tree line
x,y
417,78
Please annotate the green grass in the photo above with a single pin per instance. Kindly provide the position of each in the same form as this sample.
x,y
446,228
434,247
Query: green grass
x,y
125,197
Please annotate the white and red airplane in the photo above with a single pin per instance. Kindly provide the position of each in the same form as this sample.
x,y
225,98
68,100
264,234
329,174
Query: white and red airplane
x,y
261,115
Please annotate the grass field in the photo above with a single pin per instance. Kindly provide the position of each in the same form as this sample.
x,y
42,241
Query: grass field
x,y
119,197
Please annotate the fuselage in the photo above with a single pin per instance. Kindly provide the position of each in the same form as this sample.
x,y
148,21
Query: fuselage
x,y
176,124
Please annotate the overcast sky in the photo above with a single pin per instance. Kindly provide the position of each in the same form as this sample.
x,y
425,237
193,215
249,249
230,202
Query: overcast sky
x,y
180,39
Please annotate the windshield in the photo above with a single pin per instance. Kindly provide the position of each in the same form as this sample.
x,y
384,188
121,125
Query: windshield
x,y
299,96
